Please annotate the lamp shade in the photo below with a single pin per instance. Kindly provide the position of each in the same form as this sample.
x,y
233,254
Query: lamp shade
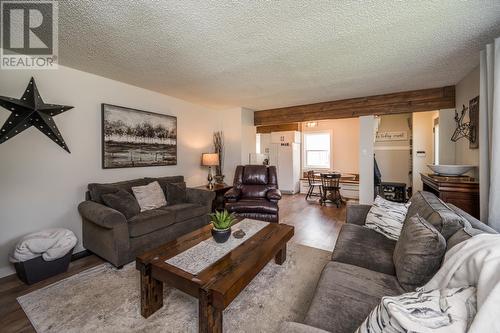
x,y
210,159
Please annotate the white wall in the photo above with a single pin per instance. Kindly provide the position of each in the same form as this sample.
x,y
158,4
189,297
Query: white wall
x,y
366,138
41,184
393,157
422,141
465,90
248,135
239,138
345,142
447,126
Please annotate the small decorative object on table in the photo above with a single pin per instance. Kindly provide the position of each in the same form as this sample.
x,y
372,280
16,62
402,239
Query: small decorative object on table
x,y
210,160
221,225
239,234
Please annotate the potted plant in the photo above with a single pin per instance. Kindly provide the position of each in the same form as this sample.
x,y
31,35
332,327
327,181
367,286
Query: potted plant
x,y
221,225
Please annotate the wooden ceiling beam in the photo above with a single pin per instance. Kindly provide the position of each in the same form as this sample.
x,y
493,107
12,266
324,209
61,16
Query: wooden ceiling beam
x,y
394,103
278,128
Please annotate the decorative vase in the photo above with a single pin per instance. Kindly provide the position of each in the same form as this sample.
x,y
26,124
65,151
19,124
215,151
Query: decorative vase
x,y
219,179
221,236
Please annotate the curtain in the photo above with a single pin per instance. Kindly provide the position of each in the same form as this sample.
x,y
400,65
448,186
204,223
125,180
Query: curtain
x,y
489,134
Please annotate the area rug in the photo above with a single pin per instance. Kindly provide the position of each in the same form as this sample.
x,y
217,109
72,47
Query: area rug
x,y
104,299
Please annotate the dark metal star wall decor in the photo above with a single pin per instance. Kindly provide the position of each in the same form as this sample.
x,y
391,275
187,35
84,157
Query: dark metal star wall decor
x,y
29,111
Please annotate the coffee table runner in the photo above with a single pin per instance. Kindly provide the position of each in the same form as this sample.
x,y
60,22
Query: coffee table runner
x,y
202,255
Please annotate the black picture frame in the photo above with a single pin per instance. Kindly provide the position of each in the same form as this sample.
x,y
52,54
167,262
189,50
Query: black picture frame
x,y
132,138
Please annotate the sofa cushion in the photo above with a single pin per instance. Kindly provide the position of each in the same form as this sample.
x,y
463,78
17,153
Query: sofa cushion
x,y
262,206
461,236
346,294
360,246
163,181
186,211
97,190
149,221
176,193
387,217
150,196
475,223
437,213
418,253
123,202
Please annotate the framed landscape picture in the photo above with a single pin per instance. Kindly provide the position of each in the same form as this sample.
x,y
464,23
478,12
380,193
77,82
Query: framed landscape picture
x,y
134,138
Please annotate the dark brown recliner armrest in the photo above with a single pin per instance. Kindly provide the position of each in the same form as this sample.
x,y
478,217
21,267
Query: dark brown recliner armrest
x,y
273,195
356,214
232,195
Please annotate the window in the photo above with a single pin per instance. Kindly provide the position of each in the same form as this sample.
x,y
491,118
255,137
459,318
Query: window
x,y
317,150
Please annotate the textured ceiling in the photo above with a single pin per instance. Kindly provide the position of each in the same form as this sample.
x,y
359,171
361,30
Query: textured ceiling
x,y
266,54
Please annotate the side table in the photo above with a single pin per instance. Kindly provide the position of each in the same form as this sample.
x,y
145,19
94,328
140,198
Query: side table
x,y
220,190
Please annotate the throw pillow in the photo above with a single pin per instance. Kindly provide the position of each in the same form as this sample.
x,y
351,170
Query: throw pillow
x,y
123,202
461,236
418,253
448,310
149,196
387,217
176,193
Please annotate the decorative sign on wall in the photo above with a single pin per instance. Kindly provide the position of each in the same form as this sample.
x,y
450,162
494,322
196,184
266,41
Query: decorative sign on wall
x,y
391,136
134,138
29,111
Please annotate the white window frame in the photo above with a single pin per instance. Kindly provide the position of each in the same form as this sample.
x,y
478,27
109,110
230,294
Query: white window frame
x,y
304,151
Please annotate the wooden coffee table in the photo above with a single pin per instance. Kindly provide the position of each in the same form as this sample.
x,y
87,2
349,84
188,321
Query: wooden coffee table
x,y
217,285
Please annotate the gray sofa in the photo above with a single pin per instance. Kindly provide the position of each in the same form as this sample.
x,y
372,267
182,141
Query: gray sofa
x,y
108,233
361,271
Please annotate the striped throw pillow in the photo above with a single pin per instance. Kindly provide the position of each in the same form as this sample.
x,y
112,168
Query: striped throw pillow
x,y
387,217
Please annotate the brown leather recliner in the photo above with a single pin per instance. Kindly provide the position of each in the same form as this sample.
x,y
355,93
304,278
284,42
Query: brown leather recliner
x,y
255,193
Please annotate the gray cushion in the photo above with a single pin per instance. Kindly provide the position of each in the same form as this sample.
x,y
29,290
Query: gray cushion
x,y
185,211
176,193
163,181
418,253
97,190
475,223
149,221
437,213
360,246
346,294
461,236
123,202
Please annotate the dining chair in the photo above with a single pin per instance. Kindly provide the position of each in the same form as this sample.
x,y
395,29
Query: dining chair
x,y
313,183
330,188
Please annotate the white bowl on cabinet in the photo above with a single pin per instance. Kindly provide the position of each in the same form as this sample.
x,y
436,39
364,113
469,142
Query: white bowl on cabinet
x,y
450,170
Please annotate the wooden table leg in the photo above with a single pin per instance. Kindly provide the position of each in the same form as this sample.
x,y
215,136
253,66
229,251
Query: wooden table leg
x,y
210,318
151,293
280,256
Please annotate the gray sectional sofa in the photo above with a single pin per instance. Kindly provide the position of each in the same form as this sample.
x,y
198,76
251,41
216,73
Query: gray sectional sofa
x,y
110,235
362,271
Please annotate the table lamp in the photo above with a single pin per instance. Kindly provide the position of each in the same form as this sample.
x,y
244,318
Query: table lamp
x,y
210,160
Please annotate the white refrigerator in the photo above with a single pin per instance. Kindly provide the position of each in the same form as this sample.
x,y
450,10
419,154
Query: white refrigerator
x,y
285,155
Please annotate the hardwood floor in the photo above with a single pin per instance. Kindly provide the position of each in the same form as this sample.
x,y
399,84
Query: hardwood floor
x,y
315,226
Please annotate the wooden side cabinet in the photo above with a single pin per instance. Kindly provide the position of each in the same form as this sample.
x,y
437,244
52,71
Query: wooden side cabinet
x,y
220,190
462,192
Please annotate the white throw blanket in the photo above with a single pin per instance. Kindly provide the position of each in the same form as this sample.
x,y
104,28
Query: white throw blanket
x,y
51,244
475,262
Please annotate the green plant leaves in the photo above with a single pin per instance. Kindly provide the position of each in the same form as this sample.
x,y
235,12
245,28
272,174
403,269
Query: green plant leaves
x,y
222,220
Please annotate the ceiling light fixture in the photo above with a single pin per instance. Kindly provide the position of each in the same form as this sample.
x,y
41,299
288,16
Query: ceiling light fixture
x,y
311,124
